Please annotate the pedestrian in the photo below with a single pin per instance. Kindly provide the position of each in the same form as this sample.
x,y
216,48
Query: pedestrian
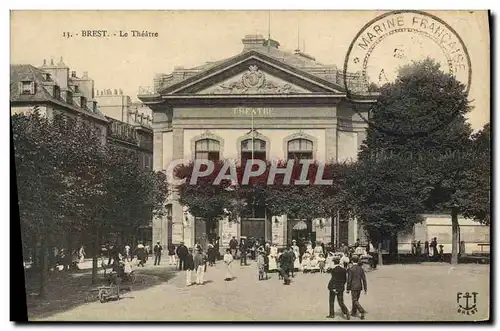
x,y
181,254
336,288
171,254
199,265
211,255
157,252
81,254
228,259
127,252
261,263
441,253
434,249
233,244
356,282
286,264
419,250
426,250
189,266
243,251
141,254
217,248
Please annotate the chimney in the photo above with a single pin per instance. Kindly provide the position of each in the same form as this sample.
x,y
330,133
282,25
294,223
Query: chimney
x,y
73,74
85,74
252,42
44,63
51,62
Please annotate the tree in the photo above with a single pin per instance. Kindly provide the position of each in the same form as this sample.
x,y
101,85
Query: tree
x,y
420,117
39,185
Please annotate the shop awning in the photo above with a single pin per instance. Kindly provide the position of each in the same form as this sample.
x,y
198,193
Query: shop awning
x,y
300,226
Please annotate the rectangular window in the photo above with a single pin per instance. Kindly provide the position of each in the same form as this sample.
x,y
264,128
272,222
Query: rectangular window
x,y
300,155
257,155
212,156
27,87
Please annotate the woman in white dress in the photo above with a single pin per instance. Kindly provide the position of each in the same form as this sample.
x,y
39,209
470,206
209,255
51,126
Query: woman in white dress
x,y
318,250
273,254
296,252
228,259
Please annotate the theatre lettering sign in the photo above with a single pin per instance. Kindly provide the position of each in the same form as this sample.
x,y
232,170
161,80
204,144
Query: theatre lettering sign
x,y
244,111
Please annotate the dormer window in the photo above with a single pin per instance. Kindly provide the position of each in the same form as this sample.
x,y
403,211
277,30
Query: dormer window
x,y
27,87
46,76
83,102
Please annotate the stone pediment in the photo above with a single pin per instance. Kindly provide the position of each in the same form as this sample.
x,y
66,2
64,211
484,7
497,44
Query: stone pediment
x,y
254,81
252,73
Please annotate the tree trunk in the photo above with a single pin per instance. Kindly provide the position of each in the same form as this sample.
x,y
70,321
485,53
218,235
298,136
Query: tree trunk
x,y
96,244
43,267
380,263
454,236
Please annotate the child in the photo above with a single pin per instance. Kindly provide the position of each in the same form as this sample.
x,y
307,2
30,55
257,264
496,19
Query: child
x,y
306,262
228,259
278,260
321,263
261,264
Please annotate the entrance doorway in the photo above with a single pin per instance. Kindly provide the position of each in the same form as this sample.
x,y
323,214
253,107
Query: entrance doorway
x,y
299,233
254,222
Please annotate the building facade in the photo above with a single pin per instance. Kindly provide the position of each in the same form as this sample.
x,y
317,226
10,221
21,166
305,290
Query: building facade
x,y
53,90
295,106
129,124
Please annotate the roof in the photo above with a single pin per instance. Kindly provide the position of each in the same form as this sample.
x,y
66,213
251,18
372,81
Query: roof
x,y
27,72
295,59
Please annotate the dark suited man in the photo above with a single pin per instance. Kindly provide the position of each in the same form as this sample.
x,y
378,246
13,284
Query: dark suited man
x,y
182,252
157,251
233,245
286,263
243,251
356,282
336,289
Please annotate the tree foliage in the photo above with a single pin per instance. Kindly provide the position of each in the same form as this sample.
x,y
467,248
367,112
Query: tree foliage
x,y
419,155
70,181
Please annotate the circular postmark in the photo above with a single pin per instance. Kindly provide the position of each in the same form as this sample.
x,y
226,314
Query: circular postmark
x,y
393,40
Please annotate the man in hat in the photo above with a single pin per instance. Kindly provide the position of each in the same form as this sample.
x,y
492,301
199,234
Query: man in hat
x,y
199,264
286,262
336,289
243,251
157,252
189,266
181,252
233,244
356,282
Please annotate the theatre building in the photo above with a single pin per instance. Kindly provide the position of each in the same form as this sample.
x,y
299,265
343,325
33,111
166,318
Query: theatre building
x,y
290,104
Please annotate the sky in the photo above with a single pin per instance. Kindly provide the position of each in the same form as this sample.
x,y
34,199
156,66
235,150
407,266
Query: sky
x,y
191,38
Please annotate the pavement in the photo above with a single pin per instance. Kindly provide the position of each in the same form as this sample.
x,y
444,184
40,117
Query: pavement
x,y
424,292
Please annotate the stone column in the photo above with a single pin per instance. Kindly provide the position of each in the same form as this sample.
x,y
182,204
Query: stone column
x,y
178,143
331,144
158,150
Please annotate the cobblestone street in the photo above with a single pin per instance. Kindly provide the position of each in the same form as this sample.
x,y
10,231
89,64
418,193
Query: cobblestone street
x,y
426,292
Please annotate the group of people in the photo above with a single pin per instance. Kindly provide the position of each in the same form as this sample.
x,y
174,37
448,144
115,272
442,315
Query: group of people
x,y
430,251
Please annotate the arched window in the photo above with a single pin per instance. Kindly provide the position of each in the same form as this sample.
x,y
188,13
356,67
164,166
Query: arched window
x,y
300,148
259,150
207,149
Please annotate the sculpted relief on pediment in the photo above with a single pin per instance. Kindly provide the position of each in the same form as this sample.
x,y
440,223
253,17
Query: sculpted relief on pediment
x,y
254,81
